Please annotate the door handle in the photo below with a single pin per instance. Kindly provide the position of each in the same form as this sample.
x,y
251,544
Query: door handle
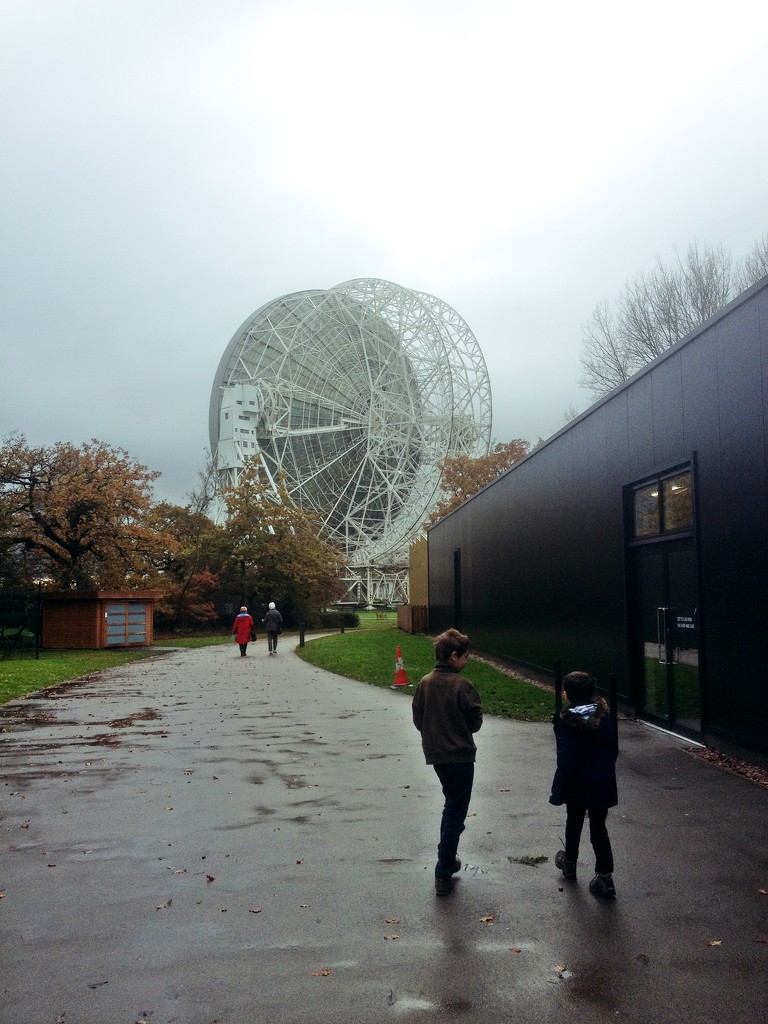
x,y
661,635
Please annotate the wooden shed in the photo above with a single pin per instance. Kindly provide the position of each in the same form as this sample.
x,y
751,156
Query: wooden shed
x,y
98,618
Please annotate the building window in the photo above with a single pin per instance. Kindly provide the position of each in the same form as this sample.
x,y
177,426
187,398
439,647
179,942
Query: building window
x,y
677,502
647,511
663,506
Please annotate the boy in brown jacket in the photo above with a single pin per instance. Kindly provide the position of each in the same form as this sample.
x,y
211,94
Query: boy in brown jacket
x,y
447,711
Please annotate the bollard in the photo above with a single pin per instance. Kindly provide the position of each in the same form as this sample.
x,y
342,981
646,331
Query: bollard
x,y
302,627
341,623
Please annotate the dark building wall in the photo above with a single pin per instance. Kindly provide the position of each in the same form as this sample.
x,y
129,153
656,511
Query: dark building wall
x,y
544,556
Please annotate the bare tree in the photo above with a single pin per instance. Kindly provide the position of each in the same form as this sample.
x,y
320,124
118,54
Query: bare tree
x,y
755,264
605,358
202,496
658,308
570,414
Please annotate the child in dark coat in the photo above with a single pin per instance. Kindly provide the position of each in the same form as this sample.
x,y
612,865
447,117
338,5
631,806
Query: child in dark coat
x,y
447,712
585,779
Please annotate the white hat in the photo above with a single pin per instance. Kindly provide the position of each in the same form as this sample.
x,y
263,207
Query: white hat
x,y
271,604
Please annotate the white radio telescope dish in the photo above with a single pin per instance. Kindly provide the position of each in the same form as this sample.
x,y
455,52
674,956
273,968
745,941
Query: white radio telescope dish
x,y
353,396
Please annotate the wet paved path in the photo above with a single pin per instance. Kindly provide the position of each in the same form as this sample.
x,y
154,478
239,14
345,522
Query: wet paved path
x,y
202,838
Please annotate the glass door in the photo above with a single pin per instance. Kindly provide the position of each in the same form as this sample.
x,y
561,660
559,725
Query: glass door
x,y
126,623
665,612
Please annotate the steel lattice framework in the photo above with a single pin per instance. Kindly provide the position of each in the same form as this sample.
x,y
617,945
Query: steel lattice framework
x,y
353,395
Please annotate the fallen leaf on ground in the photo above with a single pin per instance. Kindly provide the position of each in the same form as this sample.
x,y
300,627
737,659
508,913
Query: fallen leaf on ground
x,y
162,906
392,920
210,878
715,942
391,936
515,949
489,919
255,910
321,974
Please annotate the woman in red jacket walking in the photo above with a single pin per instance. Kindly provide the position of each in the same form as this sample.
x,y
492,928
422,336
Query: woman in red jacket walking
x,y
242,630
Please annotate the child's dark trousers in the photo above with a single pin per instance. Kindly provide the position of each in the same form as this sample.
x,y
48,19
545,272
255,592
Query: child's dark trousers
x,y
598,836
456,780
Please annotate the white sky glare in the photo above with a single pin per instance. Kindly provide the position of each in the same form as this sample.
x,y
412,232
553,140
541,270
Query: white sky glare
x,y
168,166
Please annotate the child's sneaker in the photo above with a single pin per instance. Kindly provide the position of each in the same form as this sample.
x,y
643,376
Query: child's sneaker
x,y
568,867
602,885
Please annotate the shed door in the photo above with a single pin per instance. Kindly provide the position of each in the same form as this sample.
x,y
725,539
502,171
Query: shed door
x,y
126,623
666,629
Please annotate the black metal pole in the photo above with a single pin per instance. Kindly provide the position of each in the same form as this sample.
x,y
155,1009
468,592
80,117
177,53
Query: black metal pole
x,y
341,621
38,621
302,627
558,688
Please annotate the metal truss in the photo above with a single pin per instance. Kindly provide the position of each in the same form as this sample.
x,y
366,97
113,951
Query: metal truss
x,y
354,396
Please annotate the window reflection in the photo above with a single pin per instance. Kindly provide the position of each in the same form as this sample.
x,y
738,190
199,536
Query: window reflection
x,y
647,511
678,506
664,506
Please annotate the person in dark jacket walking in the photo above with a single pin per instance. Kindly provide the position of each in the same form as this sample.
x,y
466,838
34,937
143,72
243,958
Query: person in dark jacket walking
x,y
447,712
273,622
585,778
242,630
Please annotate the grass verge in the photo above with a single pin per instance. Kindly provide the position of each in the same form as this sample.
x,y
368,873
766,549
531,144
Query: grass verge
x,y
20,676
369,656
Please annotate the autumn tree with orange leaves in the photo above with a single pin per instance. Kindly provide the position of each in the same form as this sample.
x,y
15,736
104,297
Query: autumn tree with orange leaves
x,y
191,567
86,513
276,550
463,476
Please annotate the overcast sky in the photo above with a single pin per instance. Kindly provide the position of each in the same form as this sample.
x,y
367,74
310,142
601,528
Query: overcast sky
x,y
168,166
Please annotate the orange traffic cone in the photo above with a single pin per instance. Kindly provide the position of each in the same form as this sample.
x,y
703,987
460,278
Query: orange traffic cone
x,y
401,679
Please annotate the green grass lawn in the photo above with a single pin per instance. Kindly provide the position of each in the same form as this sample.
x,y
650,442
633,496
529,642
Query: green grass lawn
x,y
20,676
366,654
